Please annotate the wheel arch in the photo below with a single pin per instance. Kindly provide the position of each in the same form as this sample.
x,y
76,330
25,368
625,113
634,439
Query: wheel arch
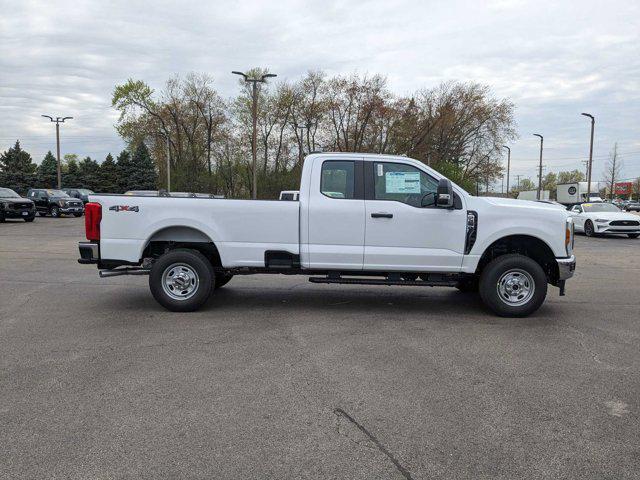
x,y
181,236
524,244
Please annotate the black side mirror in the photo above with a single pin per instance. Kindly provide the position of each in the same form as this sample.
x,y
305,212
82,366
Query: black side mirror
x,y
444,198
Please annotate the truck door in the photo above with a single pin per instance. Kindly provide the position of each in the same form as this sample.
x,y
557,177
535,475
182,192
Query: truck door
x,y
335,216
405,231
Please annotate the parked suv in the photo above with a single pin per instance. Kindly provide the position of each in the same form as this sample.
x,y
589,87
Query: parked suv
x,y
13,205
55,202
79,193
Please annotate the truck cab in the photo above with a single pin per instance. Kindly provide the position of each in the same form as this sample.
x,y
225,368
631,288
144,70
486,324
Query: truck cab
x,y
360,218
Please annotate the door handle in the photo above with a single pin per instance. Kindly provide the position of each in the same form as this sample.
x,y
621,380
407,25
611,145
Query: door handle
x,y
381,215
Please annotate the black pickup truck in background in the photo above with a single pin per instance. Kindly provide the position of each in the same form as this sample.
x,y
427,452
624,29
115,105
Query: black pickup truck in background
x,y
55,202
13,205
79,193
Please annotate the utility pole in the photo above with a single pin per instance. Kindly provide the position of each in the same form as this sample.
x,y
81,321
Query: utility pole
x,y
508,165
254,114
168,165
518,178
58,121
301,146
540,169
502,187
593,121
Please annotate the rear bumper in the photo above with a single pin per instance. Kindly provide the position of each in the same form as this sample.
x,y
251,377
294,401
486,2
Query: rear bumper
x,y
566,267
89,253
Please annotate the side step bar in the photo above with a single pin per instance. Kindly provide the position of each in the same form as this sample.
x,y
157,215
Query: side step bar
x,y
385,281
116,272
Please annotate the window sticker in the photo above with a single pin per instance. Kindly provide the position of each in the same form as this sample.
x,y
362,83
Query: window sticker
x,y
402,182
380,170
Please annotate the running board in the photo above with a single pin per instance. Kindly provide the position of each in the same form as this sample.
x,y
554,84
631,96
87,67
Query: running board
x,y
383,281
123,271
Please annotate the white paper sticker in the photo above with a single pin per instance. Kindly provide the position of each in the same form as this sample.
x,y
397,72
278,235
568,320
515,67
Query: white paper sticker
x,y
402,182
380,170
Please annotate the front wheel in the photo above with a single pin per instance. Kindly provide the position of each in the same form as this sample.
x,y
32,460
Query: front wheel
x,y
513,285
181,280
588,229
633,235
55,212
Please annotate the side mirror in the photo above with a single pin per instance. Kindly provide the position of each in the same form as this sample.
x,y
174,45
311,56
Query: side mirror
x,y
444,198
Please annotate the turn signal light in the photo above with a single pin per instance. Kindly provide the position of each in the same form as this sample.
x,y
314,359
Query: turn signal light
x,y
92,218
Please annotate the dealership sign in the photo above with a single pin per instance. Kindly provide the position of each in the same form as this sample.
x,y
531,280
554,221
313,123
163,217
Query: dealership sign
x,y
624,188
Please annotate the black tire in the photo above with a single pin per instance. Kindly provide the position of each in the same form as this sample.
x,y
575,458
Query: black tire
x,y
186,262
2,219
77,215
468,285
589,231
29,219
42,214
54,211
633,235
516,265
222,280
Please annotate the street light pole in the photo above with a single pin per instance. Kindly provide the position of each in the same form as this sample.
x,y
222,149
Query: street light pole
x,y
254,114
58,121
593,121
508,165
540,169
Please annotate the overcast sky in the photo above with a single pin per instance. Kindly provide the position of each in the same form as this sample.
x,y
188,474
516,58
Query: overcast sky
x,y
552,59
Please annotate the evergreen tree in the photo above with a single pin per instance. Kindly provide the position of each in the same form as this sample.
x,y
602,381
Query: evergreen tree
x,y
144,175
89,174
48,171
124,169
17,170
71,177
109,176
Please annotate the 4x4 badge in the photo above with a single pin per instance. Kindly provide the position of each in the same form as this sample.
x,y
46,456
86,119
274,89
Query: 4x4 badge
x,y
124,208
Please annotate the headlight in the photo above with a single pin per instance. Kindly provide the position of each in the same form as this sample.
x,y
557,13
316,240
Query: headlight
x,y
601,220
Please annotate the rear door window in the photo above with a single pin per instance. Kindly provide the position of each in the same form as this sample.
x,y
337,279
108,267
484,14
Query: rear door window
x,y
338,179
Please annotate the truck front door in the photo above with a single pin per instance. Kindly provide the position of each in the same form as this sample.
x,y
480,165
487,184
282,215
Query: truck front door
x,y
405,231
335,216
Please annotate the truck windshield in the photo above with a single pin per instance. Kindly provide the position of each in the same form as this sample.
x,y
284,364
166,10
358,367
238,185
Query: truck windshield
x,y
599,207
57,193
8,193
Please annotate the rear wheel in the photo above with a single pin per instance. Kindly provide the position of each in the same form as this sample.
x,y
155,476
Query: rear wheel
x,y
588,229
55,211
633,235
181,280
29,219
513,285
222,280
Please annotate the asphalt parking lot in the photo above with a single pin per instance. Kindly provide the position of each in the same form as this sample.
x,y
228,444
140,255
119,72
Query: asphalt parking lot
x,y
280,378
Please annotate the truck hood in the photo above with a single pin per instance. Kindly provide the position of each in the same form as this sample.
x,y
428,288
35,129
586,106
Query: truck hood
x,y
516,203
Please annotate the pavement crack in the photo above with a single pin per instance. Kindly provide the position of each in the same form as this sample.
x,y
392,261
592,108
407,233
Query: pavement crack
x,y
405,473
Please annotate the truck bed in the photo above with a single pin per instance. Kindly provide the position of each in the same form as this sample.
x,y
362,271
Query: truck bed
x,y
241,229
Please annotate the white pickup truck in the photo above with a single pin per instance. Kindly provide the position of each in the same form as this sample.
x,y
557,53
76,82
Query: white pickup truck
x,y
360,219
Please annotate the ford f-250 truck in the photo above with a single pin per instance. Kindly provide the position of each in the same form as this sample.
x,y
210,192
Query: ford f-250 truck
x,y
360,219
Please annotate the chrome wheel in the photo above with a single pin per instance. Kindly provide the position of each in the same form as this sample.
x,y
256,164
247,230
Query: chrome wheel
x,y
515,287
180,281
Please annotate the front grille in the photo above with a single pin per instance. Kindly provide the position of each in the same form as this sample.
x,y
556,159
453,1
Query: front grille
x,y
21,206
624,223
74,204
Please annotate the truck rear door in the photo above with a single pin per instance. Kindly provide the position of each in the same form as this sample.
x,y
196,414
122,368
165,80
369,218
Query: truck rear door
x,y
336,215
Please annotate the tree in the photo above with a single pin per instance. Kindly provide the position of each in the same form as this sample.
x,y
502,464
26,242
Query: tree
x,y
108,177
124,169
143,171
70,173
636,188
571,177
526,184
48,171
17,170
550,183
89,174
612,171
